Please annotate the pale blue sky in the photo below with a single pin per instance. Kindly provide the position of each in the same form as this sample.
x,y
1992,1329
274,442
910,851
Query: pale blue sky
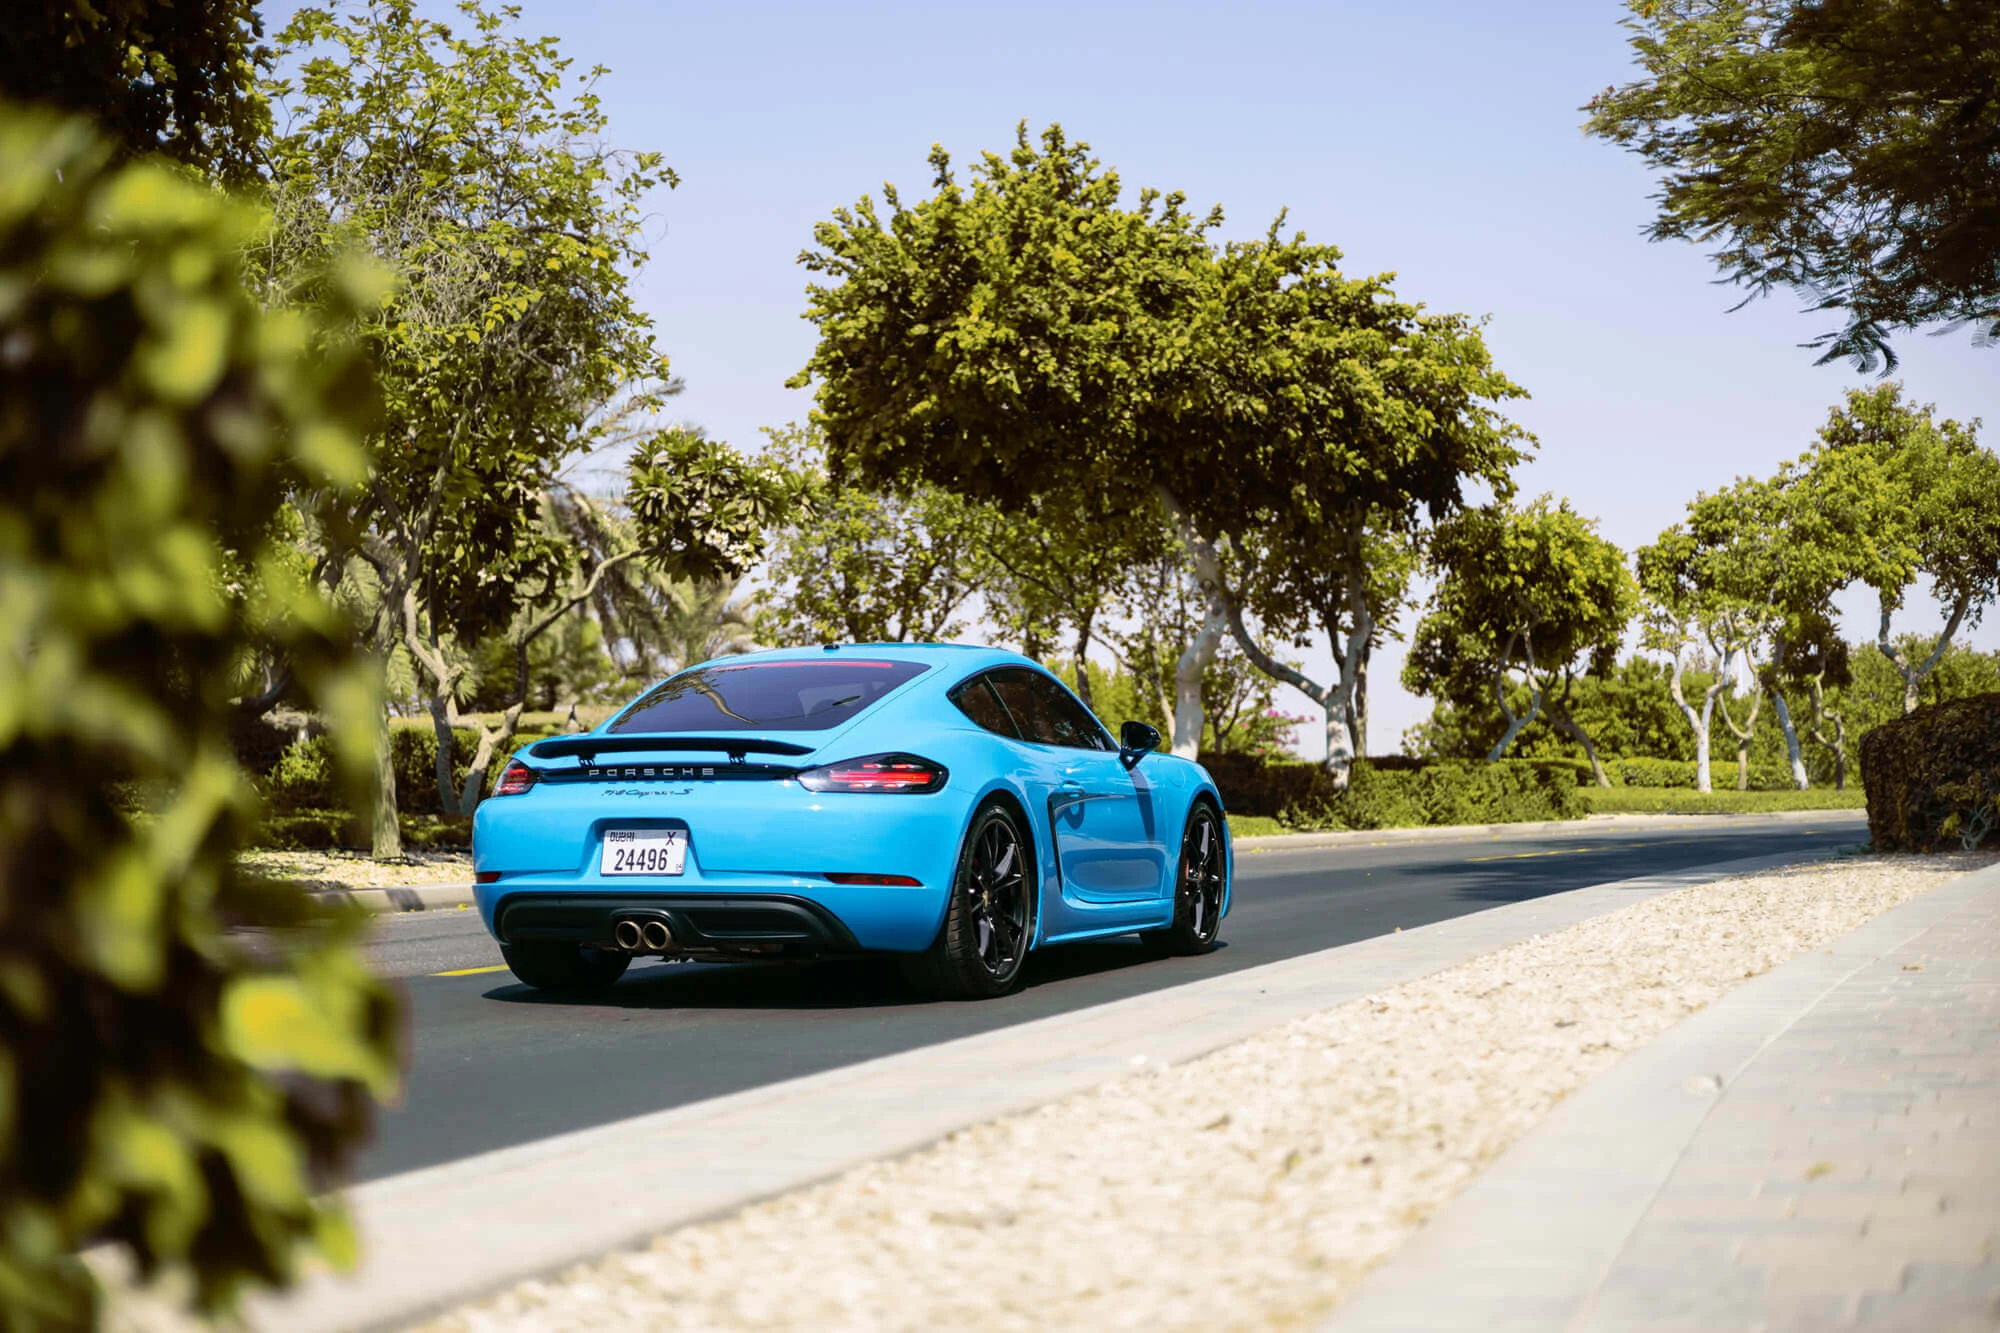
x,y
1439,140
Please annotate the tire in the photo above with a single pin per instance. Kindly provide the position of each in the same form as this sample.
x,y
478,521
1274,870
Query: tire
x,y
1201,886
981,948
555,966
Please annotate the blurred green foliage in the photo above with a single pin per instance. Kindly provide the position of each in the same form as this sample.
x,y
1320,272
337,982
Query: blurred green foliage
x,y
161,1088
177,80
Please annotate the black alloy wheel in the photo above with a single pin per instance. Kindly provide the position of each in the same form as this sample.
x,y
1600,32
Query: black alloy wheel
x,y
556,966
990,921
1199,888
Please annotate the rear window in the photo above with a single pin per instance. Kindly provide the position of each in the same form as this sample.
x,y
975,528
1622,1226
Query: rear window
x,y
809,695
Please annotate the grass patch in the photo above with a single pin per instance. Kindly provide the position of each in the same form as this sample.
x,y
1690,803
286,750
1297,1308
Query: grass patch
x,y
1681,801
1254,826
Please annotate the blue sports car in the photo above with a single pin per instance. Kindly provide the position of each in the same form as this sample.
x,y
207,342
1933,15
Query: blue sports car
x,y
950,805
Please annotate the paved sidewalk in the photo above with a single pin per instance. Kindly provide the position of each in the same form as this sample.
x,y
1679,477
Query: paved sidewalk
x,y
436,1237
1818,1150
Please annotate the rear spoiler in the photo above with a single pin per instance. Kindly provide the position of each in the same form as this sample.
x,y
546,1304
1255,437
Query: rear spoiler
x,y
588,747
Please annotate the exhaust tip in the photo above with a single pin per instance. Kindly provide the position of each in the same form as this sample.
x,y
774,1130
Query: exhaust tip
x,y
657,936
628,935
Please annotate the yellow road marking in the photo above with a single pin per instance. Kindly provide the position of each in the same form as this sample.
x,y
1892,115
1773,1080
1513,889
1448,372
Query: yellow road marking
x,y
1560,851
472,971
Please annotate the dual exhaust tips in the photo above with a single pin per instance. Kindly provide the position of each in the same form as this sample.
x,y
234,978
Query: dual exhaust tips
x,y
642,936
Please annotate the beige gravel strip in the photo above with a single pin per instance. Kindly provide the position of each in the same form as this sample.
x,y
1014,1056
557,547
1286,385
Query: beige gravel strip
x,y
1248,1188
338,870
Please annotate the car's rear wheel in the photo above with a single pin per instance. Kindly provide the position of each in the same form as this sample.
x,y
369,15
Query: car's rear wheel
x,y
982,946
1199,887
553,965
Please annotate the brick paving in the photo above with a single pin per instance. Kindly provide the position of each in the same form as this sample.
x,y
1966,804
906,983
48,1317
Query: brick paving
x,y
1845,1175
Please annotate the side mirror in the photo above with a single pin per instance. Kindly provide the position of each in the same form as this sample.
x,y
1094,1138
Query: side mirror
x,y
1136,740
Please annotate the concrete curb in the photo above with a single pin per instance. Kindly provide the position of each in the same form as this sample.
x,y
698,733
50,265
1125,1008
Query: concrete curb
x,y
1588,826
1528,1243
440,1236
428,897
413,898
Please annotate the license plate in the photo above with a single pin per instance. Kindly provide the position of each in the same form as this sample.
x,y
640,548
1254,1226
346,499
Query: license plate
x,y
643,852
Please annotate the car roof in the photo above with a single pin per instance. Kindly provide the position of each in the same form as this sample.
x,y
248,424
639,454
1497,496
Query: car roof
x,y
969,656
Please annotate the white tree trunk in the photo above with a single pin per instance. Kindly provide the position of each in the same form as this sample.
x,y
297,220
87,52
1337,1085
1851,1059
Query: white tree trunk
x,y
1514,723
1697,722
1799,778
1914,674
1194,662
1339,740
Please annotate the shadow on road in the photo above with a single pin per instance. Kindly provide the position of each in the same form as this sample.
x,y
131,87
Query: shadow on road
x,y
834,983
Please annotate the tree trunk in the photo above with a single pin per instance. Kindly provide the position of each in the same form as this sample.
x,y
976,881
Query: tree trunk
x,y
1698,723
1821,713
1912,673
442,727
491,740
1560,715
1514,723
1194,662
1357,716
1743,736
1792,752
1082,664
1339,741
385,829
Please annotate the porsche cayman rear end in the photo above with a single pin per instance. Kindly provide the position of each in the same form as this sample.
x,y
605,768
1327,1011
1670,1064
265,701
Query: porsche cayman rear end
x,y
770,806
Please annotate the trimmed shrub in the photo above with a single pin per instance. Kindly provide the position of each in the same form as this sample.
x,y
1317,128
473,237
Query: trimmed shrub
x,y
1404,794
323,830
1933,778
1639,771
1251,785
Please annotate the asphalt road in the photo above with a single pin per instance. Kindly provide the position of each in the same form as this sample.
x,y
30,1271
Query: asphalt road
x,y
496,1064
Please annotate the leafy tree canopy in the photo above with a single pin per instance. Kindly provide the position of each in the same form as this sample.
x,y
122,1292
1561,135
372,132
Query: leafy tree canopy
x,y
1912,498
175,79
863,565
1535,590
1848,150
1029,334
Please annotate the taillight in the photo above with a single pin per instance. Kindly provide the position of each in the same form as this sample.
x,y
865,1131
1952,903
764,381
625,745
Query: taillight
x,y
875,772
899,881
516,778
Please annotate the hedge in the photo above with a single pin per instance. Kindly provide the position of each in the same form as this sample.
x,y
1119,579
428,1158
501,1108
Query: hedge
x,y
1402,794
1933,777
302,779
1643,772
320,830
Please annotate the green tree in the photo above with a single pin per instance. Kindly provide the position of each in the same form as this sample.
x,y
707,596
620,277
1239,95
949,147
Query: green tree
x,y
1533,590
163,1087
867,566
179,80
1027,333
1346,417
1693,601
1846,150
473,166
1172,639
1063,561
698,511
1922,499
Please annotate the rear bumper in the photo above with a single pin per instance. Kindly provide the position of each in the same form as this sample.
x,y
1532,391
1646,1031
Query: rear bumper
x,y
762,926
